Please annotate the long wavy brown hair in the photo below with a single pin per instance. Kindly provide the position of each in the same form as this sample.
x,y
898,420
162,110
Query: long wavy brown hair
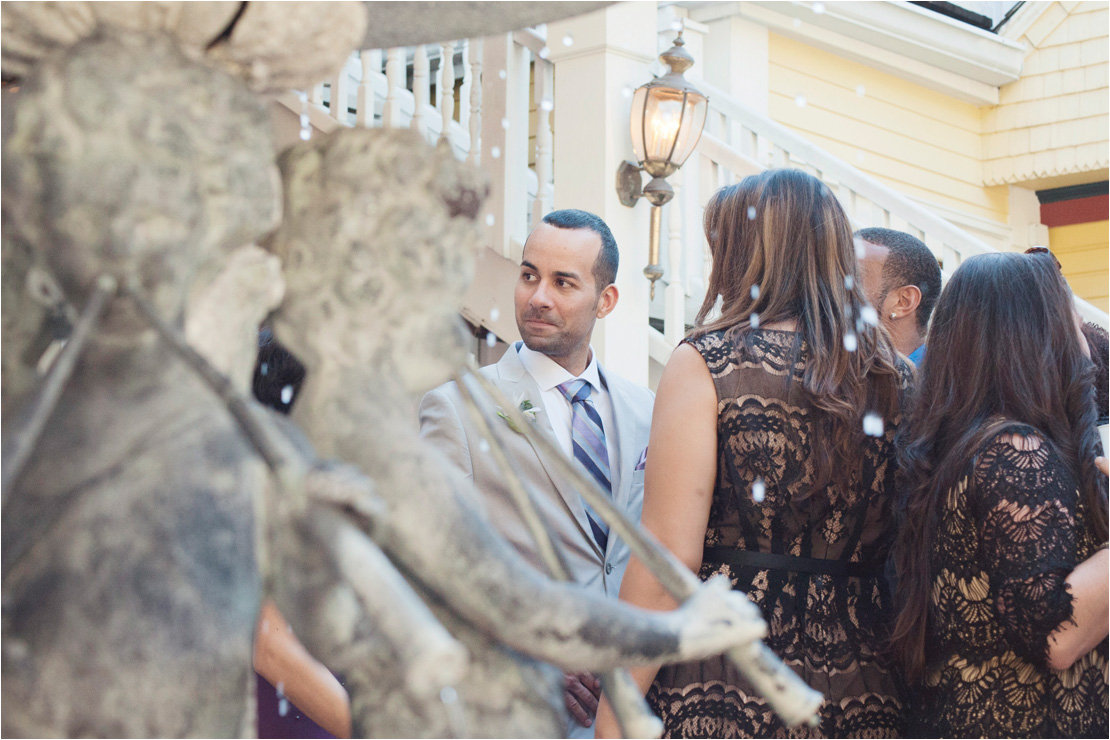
x,y
782,249
1003,346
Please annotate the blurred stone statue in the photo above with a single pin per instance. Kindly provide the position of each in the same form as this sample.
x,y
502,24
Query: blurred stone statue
x,y
130,578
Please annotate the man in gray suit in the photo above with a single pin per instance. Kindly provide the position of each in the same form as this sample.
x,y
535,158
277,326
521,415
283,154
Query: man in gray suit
x,y
565,285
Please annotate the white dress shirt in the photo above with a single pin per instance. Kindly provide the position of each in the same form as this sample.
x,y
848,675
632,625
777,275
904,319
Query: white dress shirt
x,y
549,374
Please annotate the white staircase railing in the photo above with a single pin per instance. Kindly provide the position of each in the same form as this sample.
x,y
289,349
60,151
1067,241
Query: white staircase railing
x,y
473,93
739,142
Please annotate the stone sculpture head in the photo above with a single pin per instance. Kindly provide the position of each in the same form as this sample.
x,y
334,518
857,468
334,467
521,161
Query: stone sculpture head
x,y
126,158
378,242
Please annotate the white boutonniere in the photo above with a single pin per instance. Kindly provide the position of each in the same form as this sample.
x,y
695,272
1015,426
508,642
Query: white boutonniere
x,y
526,407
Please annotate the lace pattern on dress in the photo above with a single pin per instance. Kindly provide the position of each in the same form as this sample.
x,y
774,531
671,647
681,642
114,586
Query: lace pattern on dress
x,y
1009,534
830,629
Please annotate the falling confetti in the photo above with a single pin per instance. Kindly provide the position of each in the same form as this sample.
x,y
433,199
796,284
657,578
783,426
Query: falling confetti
x,y
818,8
494,314
544,52
676,25
861,90
483,445
872,424
755,292
850,342
495,152
546,105
759,490
797,22
491,339
505,123
287,394
626,91
489,219
502,74
869,315
861,252
754,319
800,100
751,213
568,40
849,281
859,155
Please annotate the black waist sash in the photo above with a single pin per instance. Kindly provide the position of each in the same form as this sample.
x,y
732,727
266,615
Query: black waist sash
x,y
771,561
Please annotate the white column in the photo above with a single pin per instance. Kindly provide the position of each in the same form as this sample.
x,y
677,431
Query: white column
x,y
504,137
610,56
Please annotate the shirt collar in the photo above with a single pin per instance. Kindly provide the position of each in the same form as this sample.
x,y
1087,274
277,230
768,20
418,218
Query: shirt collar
x,y
547,373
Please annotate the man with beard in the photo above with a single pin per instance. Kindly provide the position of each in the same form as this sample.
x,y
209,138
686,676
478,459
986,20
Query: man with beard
x,y
599,419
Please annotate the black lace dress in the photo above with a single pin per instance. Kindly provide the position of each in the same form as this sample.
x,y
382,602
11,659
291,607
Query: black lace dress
x,y
829,609
1010,533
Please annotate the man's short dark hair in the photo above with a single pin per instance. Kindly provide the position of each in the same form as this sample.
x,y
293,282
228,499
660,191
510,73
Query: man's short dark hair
x,y
909,262
605,267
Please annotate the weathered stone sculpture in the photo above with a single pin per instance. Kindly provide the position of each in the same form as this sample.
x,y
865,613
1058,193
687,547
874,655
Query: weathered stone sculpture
x,y
271,46
378,241
130,582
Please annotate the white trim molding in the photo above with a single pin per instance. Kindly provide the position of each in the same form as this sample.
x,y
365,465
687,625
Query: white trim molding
x,y
898,38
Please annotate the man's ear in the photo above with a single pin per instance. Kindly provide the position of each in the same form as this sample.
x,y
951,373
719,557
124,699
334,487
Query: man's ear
x,y
908,299
607,301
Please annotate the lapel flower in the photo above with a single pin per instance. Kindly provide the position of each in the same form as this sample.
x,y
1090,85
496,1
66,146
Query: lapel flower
x,y
526,407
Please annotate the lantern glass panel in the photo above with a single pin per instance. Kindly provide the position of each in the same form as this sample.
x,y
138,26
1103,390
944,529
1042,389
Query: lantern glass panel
x,y
662,121
693,120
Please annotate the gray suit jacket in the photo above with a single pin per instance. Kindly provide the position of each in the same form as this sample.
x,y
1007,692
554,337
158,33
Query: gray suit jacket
x,y
445,424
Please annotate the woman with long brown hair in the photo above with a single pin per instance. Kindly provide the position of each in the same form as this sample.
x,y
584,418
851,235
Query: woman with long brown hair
x,y
1002,570
771,461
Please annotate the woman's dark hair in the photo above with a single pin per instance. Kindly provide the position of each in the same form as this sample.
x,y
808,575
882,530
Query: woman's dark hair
x,y
1003,346
782,248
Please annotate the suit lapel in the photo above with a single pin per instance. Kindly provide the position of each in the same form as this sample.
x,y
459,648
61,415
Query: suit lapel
x,y
515,380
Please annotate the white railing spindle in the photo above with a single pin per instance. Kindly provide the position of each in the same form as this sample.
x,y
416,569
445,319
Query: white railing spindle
x,y
446,87
421,72
394,82
371,69
475,52
340,89
674,312
544,73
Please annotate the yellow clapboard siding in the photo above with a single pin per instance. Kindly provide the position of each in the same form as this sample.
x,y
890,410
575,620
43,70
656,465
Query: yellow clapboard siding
x,y
1084,254
800,57
876,111
1079,236
921,142
991,203
812,120
1081,259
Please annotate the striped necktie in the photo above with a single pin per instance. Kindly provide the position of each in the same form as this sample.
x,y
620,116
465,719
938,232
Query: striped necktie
x,y
588,443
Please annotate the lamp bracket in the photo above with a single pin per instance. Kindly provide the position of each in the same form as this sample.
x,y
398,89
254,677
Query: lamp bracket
x,y
630,184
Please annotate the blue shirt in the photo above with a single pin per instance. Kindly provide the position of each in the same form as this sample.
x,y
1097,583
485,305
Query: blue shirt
x,y
917,356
